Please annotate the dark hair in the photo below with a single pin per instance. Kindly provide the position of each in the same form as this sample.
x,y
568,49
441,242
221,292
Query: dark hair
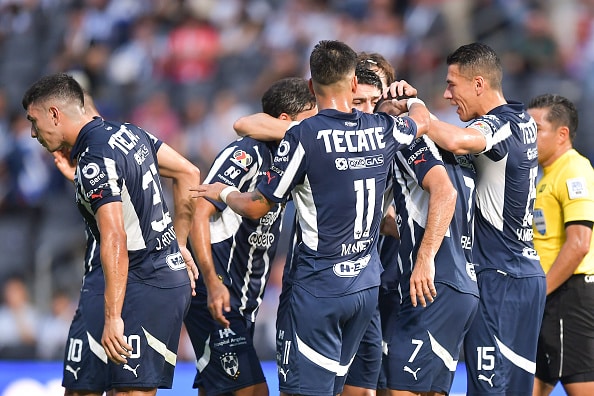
x,y
55,86
562,111
331,61
371,59
478,59
290,95
366,76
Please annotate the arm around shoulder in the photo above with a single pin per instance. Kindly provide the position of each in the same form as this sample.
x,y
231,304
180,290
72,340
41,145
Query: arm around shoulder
x,y
456,139
261,126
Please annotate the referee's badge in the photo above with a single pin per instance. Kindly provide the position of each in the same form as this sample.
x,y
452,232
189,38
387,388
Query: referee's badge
x,y
576,188
539,221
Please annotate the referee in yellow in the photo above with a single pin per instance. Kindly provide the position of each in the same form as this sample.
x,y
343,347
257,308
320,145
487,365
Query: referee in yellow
x,y
563,219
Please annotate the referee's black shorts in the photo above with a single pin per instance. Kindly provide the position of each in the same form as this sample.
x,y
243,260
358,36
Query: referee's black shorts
x,y
566,342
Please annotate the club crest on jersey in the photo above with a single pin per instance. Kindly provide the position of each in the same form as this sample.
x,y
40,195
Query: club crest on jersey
x,y
230,364
241,159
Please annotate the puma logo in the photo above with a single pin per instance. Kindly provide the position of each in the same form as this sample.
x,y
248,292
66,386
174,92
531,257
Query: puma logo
x,y
270,176
422,159
487,380
73,371
283,373
126,367
95,195
409,370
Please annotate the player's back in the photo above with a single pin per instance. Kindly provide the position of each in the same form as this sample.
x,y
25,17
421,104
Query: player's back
x,y
337,165
506,190
117,163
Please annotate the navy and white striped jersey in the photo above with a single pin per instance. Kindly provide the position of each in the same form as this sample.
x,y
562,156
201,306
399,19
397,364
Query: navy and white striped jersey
x,y
453,261
93,280
118,162
336,166
243,249
506,190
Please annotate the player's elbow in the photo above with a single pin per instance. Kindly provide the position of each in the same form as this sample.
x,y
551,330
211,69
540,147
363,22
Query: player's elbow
x,y
240,126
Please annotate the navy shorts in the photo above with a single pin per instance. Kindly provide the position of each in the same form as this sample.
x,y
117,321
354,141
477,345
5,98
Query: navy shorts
x,y
152,326
226,358
365,369
317,338
424,343
85,360
566,341
500,347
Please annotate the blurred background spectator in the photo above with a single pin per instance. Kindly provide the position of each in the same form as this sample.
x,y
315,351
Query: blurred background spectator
x,y
185,70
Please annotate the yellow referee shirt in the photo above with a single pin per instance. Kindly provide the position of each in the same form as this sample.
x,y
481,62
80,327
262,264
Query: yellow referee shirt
x,y
565,193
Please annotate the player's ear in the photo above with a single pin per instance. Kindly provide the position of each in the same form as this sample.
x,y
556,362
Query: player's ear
x,y
310,85
563,133
354,83
284,116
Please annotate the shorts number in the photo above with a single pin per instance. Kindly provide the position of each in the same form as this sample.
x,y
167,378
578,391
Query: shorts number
x,y
74,350
419,344
485,358
134,341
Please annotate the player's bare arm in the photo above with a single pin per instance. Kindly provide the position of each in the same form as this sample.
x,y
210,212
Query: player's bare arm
x,y
455,139
218,294
442,203
114,259
262,126
252,204
184,175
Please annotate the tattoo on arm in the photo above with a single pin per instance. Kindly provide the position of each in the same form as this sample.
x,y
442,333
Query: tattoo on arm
x,y
256,196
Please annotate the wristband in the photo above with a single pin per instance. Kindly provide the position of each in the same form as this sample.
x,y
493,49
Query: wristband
x,y
226,191
412,101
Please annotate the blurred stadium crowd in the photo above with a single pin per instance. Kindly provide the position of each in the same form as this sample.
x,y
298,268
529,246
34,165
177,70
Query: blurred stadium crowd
x,y
185,70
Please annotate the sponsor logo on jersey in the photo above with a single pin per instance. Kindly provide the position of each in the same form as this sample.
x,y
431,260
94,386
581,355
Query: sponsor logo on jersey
x,y
415,157
470,271
232,172
532,153
230,364
258,239
539,221
353,141
589,278
90,170
269,177
241,159
530,253
341,163
141,154
93,173
269,218
355,247
175,261
525,234
351,268
350,124
283,149
371,161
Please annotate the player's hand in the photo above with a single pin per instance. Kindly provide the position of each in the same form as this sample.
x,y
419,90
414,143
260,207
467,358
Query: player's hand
x,y
116,348
193,272
219,302
422,288
212,191
62,161
399,90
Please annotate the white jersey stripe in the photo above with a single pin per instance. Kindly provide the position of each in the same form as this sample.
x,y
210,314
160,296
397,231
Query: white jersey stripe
x,y
96,348
516,359
292,167
443,353
160,347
